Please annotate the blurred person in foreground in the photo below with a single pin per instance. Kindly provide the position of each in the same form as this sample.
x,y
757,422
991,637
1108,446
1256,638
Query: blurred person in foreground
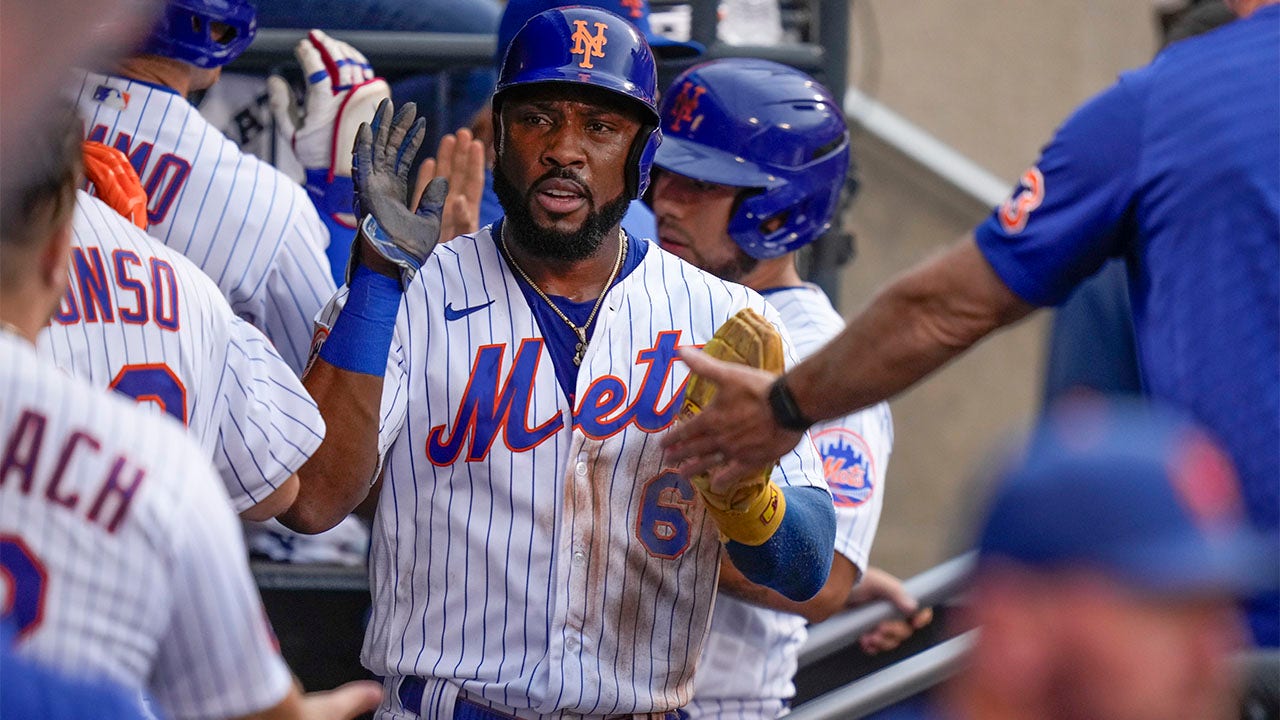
x,y
119,552
1175,169
39,44
29,31
1112,549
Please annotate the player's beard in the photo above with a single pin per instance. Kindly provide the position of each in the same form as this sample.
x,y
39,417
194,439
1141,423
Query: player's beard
x,y
547,243
734,269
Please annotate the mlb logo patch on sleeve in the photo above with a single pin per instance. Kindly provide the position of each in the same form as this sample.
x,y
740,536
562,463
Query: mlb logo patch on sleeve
x,y
114,98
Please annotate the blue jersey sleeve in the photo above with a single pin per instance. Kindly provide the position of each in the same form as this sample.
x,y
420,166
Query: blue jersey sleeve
x,y
1073,209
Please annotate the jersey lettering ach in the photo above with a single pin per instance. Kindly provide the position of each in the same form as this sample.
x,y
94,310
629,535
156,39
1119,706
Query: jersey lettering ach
x,y
120,551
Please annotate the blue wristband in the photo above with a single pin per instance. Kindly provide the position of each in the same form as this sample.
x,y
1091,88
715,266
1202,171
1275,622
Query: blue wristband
x,y
361,336
796,560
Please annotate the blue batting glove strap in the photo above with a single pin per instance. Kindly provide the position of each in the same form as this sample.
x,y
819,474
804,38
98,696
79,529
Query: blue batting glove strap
x,y
361,337
331,197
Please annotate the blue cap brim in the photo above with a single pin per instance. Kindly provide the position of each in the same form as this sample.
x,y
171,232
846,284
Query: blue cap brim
x,y
1240,565
667,48
708,164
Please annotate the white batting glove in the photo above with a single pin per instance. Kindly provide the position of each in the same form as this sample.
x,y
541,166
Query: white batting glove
x,y
342,92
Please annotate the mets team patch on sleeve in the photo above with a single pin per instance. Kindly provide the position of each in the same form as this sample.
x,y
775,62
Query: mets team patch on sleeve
x,y
317,341
847,465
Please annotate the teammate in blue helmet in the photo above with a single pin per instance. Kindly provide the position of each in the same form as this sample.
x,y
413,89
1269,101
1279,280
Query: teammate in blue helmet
x,y
205,33
775,143
752,164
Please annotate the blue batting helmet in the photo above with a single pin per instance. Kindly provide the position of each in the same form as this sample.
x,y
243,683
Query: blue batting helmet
x,y
580,45
757,124
184,33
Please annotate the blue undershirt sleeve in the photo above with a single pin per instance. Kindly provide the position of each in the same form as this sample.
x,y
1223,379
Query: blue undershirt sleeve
x,y
797,559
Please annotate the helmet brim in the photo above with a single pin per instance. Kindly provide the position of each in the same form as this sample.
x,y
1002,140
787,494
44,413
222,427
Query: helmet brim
x,y
712,165
625,90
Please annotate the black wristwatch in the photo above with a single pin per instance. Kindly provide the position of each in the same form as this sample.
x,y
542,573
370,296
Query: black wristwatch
x,y
785,410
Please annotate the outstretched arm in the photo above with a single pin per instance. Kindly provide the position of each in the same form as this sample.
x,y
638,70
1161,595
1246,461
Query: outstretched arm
x,y
346,379
920,321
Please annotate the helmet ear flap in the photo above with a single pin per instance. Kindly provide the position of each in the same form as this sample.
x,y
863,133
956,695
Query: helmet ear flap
x,y
497,126
640,159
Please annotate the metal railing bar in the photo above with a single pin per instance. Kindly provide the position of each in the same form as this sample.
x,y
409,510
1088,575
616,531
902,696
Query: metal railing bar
x,y
923,148
893,684
387,50
930,587
283,576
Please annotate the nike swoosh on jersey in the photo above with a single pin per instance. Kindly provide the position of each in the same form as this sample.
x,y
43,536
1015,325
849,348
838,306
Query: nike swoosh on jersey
x,y
450,314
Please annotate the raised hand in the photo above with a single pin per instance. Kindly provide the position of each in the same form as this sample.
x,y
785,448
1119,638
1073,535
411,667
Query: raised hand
x,y
394,239
342,92
460,160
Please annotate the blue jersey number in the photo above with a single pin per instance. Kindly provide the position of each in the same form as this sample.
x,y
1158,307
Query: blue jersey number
x,y
663,524
25,577
153,383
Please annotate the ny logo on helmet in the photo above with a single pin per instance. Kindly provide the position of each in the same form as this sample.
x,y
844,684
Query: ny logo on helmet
x,y
686,104
586,45
635,6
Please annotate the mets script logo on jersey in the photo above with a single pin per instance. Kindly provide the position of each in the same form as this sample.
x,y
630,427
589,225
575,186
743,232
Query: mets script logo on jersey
x,y
846,463
685,105
114,98
494,405
634,7
586,44
1015,211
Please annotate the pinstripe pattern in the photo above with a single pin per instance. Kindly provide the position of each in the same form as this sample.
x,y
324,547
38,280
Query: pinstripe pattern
x,y
245,407
148,588
244,223
519,577
749,659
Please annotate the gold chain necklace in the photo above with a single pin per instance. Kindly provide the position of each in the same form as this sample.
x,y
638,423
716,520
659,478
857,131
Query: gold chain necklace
x,y
581,349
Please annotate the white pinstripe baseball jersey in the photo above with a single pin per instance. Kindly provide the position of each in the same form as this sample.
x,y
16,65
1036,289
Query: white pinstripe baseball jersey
x,y
140,318
531,551
749,659
120,554
244,223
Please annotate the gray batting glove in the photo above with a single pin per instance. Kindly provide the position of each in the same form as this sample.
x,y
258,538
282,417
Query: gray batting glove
x,y
398,235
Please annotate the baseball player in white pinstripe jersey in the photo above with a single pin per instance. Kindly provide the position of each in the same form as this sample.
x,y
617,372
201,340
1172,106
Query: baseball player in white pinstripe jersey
x,y
120,556
753,161
248,226
142,319
534,556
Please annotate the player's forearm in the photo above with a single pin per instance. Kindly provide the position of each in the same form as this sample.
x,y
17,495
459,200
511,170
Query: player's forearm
x,y
338,476
346,382
796,560
830,600
918,323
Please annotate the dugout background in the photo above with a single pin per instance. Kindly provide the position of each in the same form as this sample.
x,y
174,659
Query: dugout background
x,y
992,79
